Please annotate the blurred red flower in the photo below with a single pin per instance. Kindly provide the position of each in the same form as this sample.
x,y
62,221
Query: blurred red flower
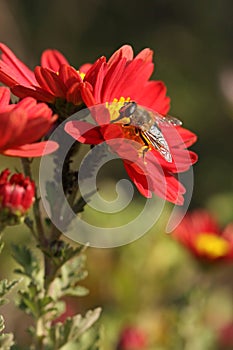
x,y
16,197
22,124
225,337
121,79
53,81
201,235
132,338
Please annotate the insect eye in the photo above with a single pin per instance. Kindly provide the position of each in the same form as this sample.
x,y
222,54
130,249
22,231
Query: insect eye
x,y
128,109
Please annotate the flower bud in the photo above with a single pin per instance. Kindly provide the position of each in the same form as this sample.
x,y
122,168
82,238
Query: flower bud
x,y
16,197
132,338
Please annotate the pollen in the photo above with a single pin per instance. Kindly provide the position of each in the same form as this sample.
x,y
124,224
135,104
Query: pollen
x,y
211,245
81,74
115,106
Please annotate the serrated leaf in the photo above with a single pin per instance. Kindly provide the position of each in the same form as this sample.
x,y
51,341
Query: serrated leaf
x,y
71,274
24,257
6,286
6,341
86,322
72,328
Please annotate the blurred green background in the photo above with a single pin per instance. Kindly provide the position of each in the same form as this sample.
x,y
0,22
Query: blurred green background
x,y
193,45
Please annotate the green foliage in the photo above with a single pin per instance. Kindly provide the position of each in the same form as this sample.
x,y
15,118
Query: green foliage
x,y
71,274
28,262
67,268
34,302
6,339
5,287
61,252
61,334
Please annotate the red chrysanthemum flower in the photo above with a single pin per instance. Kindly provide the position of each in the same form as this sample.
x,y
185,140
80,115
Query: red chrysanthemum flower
x,y
119,80
132,338
22,124
125,76
16,197
53,82
201,235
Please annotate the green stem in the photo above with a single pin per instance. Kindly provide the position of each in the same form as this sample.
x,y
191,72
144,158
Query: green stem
x,y
36,207
39,334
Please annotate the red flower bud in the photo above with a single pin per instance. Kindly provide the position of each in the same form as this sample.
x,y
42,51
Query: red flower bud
x,y
132,338
16,197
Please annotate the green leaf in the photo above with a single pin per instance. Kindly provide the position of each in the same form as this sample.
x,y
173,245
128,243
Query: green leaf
x,y
78,291
83,324
25,258
33,302
5,287
62,333
62,252
71,274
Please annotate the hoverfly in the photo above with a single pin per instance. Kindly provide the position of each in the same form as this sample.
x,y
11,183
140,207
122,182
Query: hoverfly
x,y
147,123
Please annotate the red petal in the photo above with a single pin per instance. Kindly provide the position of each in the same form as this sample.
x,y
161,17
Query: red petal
x,y
146,55
38,93
153,95
6,76
39,119
69,76
12,124
50,82
4,97
84,132
139,180
188,137
16,196
111,80
93,72
134,78
85,68
74,94
125,51
19,71
53,59
87,94
33,150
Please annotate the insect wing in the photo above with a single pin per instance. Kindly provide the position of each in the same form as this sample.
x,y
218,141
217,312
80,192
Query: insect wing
x,y
173,120
157,140
167,121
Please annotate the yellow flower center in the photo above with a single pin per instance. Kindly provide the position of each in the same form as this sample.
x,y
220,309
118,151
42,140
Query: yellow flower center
x,y
115,106
212,245
82,75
